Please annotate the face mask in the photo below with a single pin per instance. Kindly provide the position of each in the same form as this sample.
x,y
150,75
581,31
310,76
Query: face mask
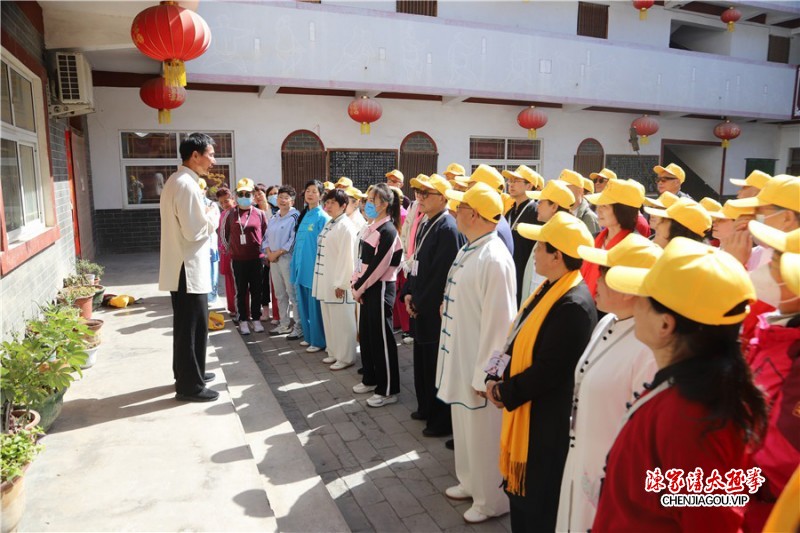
x,y
244,202
273,200
767,289
370,210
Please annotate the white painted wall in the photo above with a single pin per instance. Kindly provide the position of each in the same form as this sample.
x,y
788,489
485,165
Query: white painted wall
x,y
261,125
788,137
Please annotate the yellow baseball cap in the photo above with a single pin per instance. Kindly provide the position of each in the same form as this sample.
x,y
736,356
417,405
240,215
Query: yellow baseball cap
x,y
416,183
202,183
352,192
664,201
344,182
710,205
605,173
397,174
488,175
782,191
245,184
686,212
571,177
673,169
398,189
564,232
632,251
697,281
588,185
454,169
435,183
782,241
556,191
524,172
327,185
790,271
482,198
732,213
626,192
756,179
508,202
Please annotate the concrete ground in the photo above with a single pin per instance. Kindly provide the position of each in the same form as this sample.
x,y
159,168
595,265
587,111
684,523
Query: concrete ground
x,y
287,447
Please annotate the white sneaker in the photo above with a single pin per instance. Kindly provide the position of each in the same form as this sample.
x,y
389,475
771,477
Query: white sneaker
x,y
408,339
244,329
360,388
281,330
338,365
274,322
457,493
257,327
379,401
313,349
304,343
328,360
473,516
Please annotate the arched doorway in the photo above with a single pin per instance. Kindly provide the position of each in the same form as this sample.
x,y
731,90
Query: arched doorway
x,y
589,157
302,159
418,155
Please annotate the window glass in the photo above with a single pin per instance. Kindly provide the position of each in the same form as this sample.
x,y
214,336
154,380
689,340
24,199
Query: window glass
x,y
29,183
6,102
145,182
136,145
483,148
9,176
22,100
523,149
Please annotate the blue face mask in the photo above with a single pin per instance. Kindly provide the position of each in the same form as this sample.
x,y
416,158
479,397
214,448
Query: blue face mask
x,y
370,210
244,202
273,200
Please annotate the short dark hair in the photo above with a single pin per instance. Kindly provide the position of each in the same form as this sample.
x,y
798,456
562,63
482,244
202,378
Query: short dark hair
x,y
194,142
223,191
626,216
271,187
337,195
288,189
572,263
676,229
261,187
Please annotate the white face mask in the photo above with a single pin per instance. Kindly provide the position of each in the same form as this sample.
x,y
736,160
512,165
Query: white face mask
x,y
767,289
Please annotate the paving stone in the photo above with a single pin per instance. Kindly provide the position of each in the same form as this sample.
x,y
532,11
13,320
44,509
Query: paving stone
x,y
348,431
419,487
363,450
441,511
340,450
402,501
443,482
364,491
389,424
383,518
353,514
421,522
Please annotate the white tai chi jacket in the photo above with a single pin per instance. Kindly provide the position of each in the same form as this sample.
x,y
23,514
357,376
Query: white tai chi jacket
x,y
613,367
479,305
185,230
337,246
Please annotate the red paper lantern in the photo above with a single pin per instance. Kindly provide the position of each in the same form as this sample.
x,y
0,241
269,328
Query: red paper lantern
x,y
642,6
645,126
157,94
730,16
726,131
364,110
171,34
531,119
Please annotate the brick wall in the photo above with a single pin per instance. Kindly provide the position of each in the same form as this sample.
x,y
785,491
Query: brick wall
x,y
37,281
127,230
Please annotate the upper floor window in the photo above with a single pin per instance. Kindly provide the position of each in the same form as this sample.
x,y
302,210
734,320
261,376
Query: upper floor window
x,y
592,20
20,169
778,51
149,158
503,153
418,7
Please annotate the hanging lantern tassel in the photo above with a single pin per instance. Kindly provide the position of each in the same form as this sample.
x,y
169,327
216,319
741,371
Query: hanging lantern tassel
x,y
164,116
531,133
645,139
175,73
643,14
725,143
365,128
731,26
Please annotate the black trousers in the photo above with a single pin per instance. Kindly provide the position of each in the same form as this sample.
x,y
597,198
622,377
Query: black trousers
x,y
376,337
248,277
189,338
436,412
265,295
534,512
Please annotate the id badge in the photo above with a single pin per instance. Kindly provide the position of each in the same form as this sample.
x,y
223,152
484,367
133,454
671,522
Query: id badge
x,y
414,267
497,364
242,239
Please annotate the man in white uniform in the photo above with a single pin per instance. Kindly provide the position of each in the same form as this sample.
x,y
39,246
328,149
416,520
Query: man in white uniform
x,y
185,271
478,308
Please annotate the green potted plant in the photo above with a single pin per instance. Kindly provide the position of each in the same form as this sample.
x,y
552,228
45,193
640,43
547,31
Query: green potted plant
x,y
79,296
17,450
92,272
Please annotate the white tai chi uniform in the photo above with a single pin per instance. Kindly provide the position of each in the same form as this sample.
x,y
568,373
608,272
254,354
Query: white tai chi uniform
x,y
479,305
337,246
614,366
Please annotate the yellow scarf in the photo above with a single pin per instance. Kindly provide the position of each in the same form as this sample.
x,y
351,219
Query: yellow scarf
x,y
516,423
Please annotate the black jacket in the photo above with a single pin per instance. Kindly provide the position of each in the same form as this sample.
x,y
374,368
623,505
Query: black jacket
x,y
522,247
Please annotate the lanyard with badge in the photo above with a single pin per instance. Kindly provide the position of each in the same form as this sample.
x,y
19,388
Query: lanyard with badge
x,y
516,219
242,236
412,264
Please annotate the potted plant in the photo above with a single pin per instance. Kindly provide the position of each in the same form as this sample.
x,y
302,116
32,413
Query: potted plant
x,y
17,450
79,296
92,272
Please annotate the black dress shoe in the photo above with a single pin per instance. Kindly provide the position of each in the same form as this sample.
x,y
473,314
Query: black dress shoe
x,y
416,415
428,432
205,395
450,444
209,376
360,370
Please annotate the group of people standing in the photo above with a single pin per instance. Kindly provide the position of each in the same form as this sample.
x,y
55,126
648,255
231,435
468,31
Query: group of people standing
x,y
584,366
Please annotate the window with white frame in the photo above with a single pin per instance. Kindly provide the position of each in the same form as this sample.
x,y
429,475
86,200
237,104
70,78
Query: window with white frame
x,y
20,167
505,153
150,157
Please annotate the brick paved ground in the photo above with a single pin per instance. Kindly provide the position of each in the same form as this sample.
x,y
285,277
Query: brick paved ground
x,y
382,473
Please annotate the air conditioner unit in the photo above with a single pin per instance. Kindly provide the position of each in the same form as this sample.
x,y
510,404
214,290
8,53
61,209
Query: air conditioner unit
x,y
73,85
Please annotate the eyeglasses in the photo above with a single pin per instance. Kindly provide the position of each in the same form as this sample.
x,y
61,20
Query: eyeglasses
x,y
244,194
600,180
517,182
425,194
664,179
464,206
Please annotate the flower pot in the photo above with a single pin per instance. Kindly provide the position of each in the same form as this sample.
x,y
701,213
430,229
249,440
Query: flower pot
x,y
33,418
90,278
85,305
92,357
12,494
97,299
50,408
